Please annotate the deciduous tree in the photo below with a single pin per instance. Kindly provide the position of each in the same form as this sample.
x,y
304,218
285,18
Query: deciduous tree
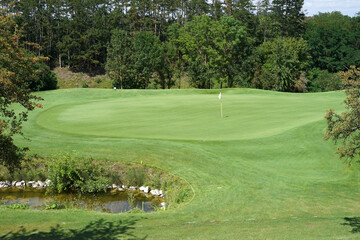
x,y
16,100
281,63
345,127
334,40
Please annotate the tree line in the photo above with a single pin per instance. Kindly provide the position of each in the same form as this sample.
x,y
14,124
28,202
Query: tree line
x,y
153,44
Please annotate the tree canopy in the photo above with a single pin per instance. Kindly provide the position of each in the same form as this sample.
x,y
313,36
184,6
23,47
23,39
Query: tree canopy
x,y
159,43
334,41
16,74
345,127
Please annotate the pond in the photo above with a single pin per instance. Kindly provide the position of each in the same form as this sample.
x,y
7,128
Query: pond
x,y
108,202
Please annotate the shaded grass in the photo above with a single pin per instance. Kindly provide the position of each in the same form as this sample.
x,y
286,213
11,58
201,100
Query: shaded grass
x,y
262,173
99,229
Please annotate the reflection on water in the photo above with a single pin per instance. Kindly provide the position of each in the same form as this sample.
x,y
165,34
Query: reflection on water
x,y
108,202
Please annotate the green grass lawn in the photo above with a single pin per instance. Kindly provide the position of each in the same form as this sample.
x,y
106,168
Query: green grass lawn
x,y
261,172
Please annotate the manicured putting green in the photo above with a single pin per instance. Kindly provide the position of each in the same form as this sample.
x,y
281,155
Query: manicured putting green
x,y
187,117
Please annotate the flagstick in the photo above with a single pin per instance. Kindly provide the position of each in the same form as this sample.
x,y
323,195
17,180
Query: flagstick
x,y
221,99
221,109
221,105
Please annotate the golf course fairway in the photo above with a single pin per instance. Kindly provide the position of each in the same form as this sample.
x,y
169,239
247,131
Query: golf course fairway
x,y
263,171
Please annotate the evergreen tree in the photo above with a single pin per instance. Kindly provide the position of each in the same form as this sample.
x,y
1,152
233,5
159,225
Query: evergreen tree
x,y
267,27
290,15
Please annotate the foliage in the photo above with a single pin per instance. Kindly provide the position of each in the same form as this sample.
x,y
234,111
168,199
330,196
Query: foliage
x,y
18,206
344,127
68,79
235,49
88,176
214,50
165,60
131,200
147,52
16,71
268,28
323,81
44,78
333,41
135,210
281,63
197,40
136,176
54,205
290,16
119,65
68,174
157,44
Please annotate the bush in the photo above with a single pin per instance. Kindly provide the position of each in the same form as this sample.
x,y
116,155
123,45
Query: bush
x,y
68,174
44,78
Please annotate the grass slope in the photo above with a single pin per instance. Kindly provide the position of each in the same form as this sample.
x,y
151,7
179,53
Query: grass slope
x,y
262,172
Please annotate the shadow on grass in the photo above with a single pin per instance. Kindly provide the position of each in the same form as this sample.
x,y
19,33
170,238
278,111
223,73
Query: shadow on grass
x,y
99,229
353,222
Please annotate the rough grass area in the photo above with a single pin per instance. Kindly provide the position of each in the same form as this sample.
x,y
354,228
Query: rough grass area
x,y
69,79
261,172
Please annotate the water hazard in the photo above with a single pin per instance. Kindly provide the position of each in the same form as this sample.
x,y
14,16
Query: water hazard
x,y
108,202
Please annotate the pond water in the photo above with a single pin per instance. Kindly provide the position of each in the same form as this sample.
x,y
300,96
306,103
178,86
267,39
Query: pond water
x,y
108,202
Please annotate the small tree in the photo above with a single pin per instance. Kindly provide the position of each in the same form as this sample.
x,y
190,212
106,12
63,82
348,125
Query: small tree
x,y
346,127
16,73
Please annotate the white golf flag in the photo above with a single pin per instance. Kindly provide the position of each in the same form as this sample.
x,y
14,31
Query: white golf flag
x,y
220,96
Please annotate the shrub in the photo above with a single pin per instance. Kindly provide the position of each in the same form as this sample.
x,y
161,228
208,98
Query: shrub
x,y
69,174
44,79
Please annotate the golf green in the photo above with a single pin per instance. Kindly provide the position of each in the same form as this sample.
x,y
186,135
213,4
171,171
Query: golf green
x,y
263,171
186,117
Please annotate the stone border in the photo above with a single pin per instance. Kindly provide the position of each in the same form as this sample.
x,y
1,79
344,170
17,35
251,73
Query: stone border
x,y
42,185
